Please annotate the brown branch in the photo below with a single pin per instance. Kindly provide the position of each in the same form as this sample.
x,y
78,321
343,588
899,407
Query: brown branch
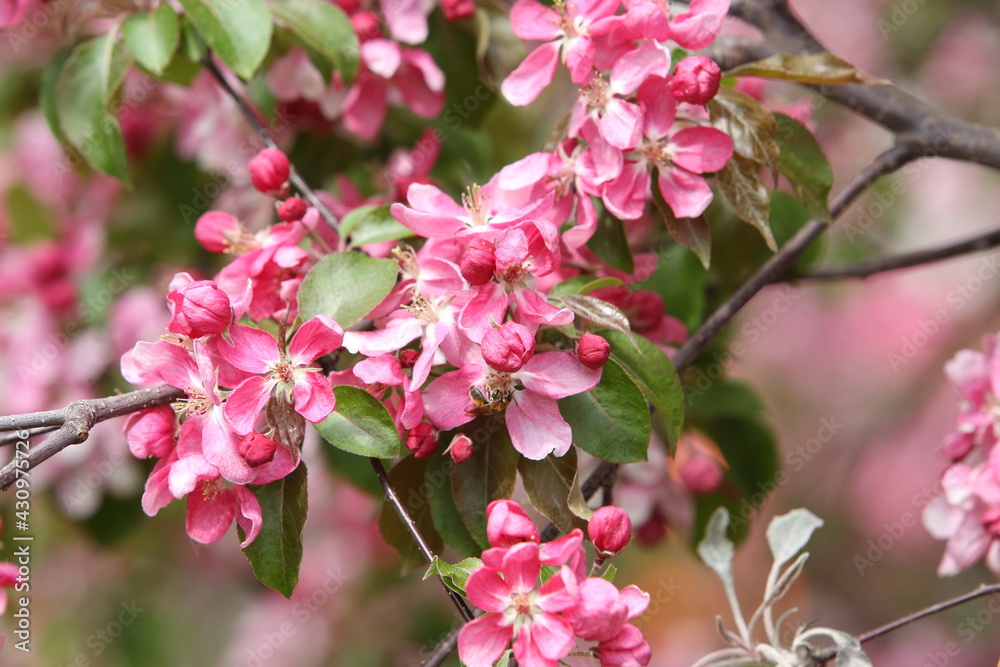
x,y
985,241
411,527
251,117
982,591
74,423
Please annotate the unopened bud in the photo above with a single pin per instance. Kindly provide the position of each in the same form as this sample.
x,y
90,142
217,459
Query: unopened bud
x,y
645,310
479,262
422,440
701,475
592,351
508,348
199,309
696,80
460,448
456,10
217,231
257,449
269,171
408,357
609,529
292,209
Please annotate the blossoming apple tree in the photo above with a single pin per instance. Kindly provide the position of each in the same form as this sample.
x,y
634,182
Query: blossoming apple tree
x,y
494,345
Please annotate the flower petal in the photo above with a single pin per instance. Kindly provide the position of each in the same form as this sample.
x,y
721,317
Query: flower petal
x,y
483,640
253,350
319,336
536,427
524,84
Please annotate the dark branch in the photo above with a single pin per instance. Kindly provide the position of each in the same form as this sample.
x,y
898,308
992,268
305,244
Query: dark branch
x,y
393,499
251,117
74,423
990,239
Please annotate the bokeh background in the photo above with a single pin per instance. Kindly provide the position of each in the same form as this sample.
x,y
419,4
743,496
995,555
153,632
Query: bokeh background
x,y
850,373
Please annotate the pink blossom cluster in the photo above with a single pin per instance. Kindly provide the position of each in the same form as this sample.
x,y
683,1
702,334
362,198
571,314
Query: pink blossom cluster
x,y
545,620
967,514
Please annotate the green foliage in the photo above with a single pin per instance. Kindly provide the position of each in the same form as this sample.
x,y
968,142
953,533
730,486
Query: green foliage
x,y
454,576
152,37
346,286
444,512
554,490
324,29
488,475
276,554
407,477
360,425
805,166
371,224
238,31
611,421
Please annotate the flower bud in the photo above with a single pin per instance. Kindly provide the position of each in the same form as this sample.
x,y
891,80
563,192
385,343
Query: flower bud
x,y
199,309
645,310
408,357
257,449
592,350
609,529
460,448
366,25
269,171
456,10
507,524
422,440
217,231
701,475
508,348
292,209
696,80
479,262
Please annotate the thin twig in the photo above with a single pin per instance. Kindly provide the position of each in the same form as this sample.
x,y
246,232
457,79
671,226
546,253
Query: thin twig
x,y
982,591
411,527
16,436
74,423
443,649
251,117
985,241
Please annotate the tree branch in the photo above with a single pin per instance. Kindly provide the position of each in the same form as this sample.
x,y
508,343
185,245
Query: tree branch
x,y
251,117
411,527
75,421
985,241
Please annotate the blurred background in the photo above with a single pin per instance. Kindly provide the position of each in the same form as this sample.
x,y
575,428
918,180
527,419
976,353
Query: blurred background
x,y
849,373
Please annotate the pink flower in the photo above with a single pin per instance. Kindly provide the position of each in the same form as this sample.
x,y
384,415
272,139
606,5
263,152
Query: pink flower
x,y
958,517
507,524
199,308
699,25
627,649
520,611
217,231
257,449
460,448
696,80
212,507
457,10
527,396
151,432
610,530
292,209
269,172
422,440
290,376
509,347
592,351
479,262
701,474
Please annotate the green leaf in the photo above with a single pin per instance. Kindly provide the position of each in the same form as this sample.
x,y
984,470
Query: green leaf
x,y
610,244
745,192
360,425
724,398
30,220
193,46
583,285
596,311
152,37
611,421
609,574
325,29
749,123
355,469
692,233
84,98
371,224
655,375
488,475
549,484
447,520
680,279
276,554
407,477
454,576
805,166
346,286
812,69
239,31
47,93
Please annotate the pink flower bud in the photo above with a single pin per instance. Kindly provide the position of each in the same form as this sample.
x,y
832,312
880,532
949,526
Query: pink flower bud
x,y
479,262
507,524
199,309
592,350
653,531
456,10
460,448
645,310
269,171
292,209
701,475
422,440
366,25
216,231
696,80
609,529
408,357
508,348
257,449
